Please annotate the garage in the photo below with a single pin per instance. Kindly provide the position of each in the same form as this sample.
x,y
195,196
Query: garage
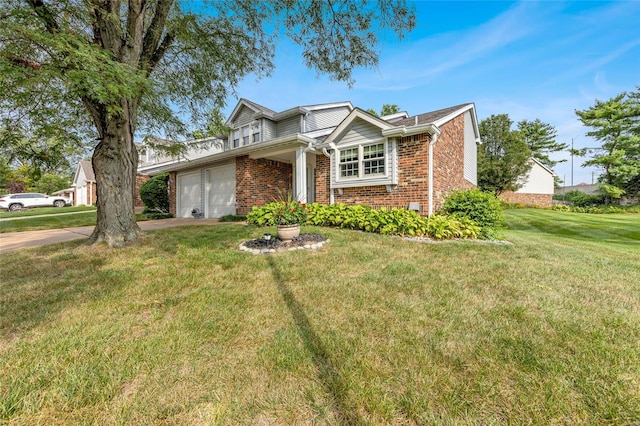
x,y
189,193
221,190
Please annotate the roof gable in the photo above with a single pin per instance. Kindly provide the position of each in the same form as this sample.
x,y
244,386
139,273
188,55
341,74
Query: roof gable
x,y
256,108
356,114
85,170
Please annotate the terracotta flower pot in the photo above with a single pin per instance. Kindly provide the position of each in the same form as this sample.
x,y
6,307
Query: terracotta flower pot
x,y
288,232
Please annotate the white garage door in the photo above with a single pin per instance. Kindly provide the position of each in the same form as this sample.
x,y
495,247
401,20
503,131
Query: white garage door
x,y
188,194
221,190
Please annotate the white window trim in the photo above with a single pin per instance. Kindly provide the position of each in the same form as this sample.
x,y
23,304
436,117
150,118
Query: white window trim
x,y
361,161
390,176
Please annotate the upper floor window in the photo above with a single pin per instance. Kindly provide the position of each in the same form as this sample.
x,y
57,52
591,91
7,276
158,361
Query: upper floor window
x,y
245,135
255,130
236,138
363,161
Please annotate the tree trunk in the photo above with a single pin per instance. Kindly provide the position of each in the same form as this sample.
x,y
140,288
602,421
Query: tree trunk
x,y
115,163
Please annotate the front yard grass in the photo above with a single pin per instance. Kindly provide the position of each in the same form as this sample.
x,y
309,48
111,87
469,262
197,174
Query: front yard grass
x,y
183,328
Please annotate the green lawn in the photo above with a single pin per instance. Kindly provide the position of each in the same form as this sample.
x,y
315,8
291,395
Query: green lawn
x,y
5,214
183,328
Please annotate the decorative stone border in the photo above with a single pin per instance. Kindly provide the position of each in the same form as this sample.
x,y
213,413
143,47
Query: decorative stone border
x,y
313,246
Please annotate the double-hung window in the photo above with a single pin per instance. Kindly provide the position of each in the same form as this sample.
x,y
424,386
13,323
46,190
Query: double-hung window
x,y
373,159
349,162
255,131
245,135
236,138
363,161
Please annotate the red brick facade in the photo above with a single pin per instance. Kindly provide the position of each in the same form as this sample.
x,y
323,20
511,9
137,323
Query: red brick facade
x,y
530,200
140,180
448,162
173,205
413,173
323,179
260,181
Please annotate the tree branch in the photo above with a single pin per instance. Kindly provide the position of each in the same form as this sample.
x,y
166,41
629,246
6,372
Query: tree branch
x,y
25,62
45,15
151,52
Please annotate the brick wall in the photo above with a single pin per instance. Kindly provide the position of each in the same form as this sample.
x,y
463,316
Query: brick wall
x,y
533,200
140,180
448,158
172,193
323,179
413,173
260,181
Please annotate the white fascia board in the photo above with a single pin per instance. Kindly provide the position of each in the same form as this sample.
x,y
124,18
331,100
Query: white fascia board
x,y
474,118
329,106
344,125
236,110
290,113
402,131
397,115
292,140
535,160
320,132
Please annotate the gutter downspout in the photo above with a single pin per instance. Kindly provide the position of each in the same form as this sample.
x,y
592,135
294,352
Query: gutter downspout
x,y
434,139
332,197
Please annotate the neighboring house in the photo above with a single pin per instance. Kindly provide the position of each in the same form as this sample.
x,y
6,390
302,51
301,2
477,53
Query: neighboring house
x,y
328,153
84,183
537,189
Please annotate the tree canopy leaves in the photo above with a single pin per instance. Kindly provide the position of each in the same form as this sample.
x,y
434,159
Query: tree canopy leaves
x,y
615,123
503,156
541,139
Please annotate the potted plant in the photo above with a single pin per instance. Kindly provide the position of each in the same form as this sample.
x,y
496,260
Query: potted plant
x,y
288,216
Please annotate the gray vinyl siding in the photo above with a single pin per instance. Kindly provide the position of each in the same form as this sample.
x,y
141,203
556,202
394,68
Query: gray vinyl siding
x,y
361,132
245,116
268,130
288,126
323,119
470,151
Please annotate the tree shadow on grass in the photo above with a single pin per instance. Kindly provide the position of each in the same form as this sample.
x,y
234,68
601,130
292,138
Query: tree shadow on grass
x,y
328,374
39,284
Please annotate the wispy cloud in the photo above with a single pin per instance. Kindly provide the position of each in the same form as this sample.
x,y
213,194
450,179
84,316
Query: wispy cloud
x,y
438,55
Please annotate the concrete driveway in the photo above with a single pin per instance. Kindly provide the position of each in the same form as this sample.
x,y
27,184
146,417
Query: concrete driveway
x,y
18,240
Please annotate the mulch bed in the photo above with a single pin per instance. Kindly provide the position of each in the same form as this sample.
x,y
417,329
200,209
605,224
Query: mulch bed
x,y
276,243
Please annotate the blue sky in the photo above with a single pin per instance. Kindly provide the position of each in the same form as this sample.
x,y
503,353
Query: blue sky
x,y
528,59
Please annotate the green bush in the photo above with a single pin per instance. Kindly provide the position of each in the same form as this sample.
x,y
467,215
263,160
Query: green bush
x,y
582,199
605,209
481,207
383,221
233,218
289,212
158,215
155,194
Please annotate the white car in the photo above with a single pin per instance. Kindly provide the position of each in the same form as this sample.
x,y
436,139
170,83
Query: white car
x,y
15,202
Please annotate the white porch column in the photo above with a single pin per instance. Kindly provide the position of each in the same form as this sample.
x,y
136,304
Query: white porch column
x,y
300,178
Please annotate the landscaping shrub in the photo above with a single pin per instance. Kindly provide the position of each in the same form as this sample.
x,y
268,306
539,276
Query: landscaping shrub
x,y
155,194
582,199
481,207
289,212
383,221
604,209
233,218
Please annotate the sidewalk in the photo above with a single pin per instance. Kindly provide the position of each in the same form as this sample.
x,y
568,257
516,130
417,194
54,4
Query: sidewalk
x,y
11,241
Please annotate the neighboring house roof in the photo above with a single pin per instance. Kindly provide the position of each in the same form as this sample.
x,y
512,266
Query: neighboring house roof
x,y
85,168
535,160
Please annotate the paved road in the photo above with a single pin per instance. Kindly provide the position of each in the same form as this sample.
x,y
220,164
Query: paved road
x,y
18,240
